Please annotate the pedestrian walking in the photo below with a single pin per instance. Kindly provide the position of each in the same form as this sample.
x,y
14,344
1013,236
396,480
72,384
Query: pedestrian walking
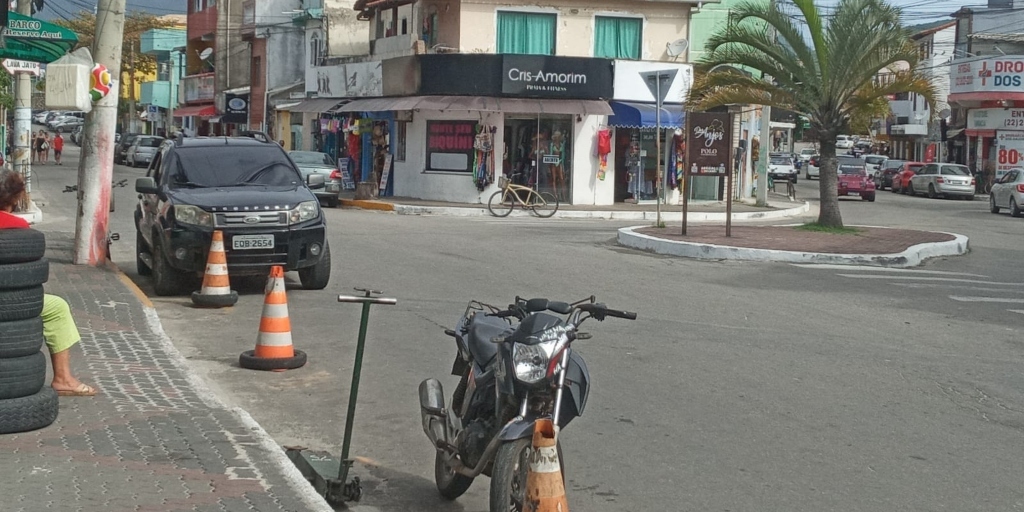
x,y
58,147
37,146
59,329
46,147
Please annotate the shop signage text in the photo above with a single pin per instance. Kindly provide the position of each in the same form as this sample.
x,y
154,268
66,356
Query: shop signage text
x,y
1009,151
995,119
998,74
353,80
450,145
708,145
13,66
547,77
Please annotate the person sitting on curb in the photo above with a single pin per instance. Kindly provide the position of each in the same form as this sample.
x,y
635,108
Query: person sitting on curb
x,y
59,327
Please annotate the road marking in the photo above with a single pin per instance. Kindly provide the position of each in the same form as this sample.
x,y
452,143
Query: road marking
x,y
1021,311
954,286
923,278
986,299
868,268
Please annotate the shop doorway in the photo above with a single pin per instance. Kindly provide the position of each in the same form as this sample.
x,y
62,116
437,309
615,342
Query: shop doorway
x,y
636,163
538,153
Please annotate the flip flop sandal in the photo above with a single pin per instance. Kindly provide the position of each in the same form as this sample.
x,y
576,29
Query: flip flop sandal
x,y
81,390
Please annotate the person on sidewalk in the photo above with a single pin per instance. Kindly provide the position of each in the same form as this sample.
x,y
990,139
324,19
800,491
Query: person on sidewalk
x,y
37,147
59,327
46,147
58,147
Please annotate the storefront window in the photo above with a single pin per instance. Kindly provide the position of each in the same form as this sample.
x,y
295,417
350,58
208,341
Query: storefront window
x,y
526,32
617,38
450,146
401,131
538,153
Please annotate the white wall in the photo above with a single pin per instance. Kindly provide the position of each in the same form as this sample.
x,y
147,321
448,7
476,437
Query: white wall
x,y
586,188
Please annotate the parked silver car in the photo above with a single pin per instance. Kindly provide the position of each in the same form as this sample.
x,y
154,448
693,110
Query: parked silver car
x,y
142,150
947,180
310,162
1008,191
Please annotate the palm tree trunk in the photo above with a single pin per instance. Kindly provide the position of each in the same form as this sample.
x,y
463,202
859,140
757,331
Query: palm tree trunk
x,y
828,181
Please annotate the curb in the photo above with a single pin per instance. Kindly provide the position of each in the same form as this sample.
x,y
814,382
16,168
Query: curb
x,y
666,215
368,204
912,257
309,496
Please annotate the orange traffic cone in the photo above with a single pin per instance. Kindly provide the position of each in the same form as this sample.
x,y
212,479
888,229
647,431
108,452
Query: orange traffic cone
x,y
545,491
274,349
216,291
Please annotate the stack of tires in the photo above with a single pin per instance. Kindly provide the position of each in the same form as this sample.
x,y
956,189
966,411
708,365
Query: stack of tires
x,y
26,402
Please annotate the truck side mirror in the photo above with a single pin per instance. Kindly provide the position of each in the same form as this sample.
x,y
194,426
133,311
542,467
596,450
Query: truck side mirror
x,y
146,185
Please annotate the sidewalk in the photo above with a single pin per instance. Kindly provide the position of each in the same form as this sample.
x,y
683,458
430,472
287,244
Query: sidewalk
x,y
154,438
779,206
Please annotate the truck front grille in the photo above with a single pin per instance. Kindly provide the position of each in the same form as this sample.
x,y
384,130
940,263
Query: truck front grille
x,y
250,219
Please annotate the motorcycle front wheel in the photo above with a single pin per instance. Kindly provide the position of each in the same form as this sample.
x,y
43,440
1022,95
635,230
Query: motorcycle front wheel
x,y
450,484
508,478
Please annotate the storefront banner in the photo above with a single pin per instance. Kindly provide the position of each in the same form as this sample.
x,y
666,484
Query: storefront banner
x,y
556,77
995,119
629,84
450,145
997,74
1009,152
355,80
707,149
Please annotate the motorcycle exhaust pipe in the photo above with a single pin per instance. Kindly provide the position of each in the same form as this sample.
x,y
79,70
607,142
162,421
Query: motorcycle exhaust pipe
x,y
432,412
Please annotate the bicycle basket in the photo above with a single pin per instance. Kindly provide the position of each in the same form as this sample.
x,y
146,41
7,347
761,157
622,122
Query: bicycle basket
x,y
503,181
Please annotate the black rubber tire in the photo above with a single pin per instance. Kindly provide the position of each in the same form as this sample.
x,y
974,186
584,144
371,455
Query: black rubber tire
x,y
21,304
27,413
24,275
510,455
248,360
140,247
500,208
931,192
1015,210
450,485
22,376
547,210
214,301
317,276
910,189
992,206
21,245
21,338
166,280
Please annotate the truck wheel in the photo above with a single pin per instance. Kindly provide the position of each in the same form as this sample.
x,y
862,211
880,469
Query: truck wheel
x,y
166,280
317,276
140,247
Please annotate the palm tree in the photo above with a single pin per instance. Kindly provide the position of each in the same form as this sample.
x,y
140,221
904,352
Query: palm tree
x,y
828,71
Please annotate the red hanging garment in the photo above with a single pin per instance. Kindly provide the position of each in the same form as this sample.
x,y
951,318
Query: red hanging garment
x,y
604,141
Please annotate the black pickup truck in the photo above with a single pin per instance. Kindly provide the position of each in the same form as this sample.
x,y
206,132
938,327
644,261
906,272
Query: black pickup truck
x,y
242,186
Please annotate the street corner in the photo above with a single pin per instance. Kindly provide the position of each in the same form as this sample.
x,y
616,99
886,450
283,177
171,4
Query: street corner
x,y
862,245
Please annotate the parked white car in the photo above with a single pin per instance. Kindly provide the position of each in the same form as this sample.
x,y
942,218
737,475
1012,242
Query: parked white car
x,y
874,163
811,168
1008,191
781,168
844,142
946,180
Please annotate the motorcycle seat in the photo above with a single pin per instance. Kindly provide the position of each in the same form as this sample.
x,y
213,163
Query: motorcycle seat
x,y
482,329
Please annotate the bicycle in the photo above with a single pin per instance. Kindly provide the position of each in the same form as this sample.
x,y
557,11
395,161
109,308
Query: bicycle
x,y
502,202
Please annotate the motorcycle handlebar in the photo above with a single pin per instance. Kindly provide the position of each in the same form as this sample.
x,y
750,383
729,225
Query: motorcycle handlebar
x,y
599,311
628,315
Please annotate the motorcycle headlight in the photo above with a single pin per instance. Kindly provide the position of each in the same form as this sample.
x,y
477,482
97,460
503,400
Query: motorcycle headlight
x,y
304,211
193,215
531,361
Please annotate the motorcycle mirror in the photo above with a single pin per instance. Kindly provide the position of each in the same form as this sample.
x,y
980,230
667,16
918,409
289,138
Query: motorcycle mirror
x,y
534,305
583,336
559,307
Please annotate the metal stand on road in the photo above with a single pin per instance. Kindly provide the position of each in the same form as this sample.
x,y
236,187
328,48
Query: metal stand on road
x,y
317,468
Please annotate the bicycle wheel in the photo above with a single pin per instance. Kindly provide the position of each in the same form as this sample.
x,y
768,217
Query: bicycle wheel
x,y
544,204
500,204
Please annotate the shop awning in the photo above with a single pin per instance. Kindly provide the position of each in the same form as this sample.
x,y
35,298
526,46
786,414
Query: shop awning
x,y
629,114
980,133
287,106
479,104
953,133
26,38
316,105
196,110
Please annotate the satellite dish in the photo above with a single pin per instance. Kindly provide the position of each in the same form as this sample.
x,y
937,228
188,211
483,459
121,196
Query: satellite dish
x,y
205,54
944,113
677,47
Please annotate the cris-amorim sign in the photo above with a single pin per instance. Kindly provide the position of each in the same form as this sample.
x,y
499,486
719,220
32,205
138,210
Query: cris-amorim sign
x,y
556,77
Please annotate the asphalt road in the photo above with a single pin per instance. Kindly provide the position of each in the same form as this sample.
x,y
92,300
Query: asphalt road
x,y
742,386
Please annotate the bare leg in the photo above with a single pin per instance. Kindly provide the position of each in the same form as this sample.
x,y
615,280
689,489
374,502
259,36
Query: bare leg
x,y
63,380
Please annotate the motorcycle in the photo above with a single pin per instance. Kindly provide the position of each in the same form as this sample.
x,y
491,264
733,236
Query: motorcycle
x,y
516,366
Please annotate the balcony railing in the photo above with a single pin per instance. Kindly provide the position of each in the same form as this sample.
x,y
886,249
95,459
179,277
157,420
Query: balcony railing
x,y
197,88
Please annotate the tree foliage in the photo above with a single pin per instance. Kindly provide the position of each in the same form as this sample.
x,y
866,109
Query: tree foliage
x,y
135,24
6,90
830,76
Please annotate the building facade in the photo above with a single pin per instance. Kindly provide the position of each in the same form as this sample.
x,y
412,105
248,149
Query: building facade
x,y
277,62
160,97
198,87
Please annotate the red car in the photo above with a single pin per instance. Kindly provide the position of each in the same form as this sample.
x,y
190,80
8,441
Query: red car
x,y
902,178
854,179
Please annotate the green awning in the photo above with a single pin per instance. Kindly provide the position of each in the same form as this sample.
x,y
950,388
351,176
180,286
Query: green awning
x,y
27,38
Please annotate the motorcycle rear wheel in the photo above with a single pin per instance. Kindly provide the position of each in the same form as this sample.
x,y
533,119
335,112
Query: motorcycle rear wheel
x,y
450,484
508,478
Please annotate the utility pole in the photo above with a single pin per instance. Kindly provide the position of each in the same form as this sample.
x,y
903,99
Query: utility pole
x,y
22,150
762,157
96,167
131,94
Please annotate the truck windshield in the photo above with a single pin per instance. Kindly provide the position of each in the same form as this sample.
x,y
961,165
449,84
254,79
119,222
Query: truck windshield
x,y
220,166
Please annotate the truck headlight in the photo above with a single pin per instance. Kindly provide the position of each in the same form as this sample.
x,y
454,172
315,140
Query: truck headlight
x,y
304,211
193,215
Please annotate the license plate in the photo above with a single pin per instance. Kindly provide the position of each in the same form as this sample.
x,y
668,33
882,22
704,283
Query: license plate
x,y
243,242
